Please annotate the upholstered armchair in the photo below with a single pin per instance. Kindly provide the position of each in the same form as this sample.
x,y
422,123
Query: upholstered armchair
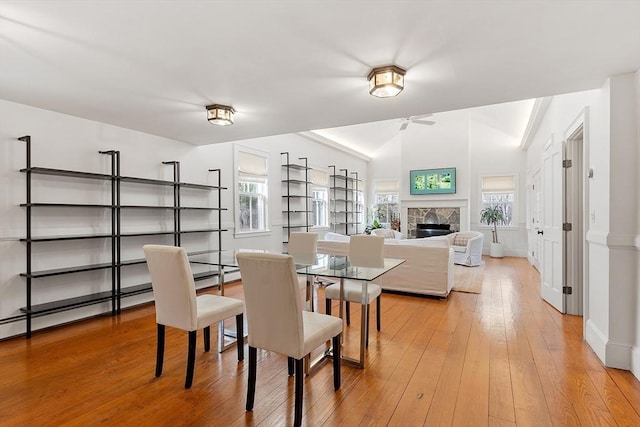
x,y
467,247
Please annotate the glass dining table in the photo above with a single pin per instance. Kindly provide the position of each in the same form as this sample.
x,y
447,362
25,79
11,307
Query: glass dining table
x,y
323,265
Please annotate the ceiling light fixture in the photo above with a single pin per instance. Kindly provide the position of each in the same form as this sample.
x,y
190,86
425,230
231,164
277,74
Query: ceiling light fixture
x,y
220,115
385,82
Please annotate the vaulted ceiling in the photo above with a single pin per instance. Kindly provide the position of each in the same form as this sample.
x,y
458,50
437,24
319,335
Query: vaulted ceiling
x,y
294,66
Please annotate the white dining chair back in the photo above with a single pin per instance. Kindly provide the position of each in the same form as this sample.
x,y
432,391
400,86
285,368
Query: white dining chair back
x,y
366,251
303,246
277,322
178,306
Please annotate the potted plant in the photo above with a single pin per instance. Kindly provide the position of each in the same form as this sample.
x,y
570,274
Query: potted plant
x,y
493,215
375,224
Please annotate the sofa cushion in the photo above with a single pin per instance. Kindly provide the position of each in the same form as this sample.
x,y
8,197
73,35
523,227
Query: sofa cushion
x,y
461,249
335,237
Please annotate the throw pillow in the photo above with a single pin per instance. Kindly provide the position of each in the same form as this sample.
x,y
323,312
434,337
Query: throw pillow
x,y
384,232
460,240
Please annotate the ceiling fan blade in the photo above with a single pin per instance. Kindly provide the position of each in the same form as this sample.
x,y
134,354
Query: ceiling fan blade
x,y
424,122
404,125
421,116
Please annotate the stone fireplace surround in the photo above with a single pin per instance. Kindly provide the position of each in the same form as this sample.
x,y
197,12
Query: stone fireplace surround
x,y
437,215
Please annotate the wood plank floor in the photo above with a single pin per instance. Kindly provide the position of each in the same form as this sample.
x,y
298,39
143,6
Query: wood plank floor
x,y
499,358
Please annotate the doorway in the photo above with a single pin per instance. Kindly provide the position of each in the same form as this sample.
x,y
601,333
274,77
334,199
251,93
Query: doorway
x,y
574,242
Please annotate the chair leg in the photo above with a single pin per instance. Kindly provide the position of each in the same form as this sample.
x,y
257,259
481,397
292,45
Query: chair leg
x,y
290,365
191,359
207,338
336,362
367,326
160,350
251,389
378,322
327,307
240,336
348,310
297,421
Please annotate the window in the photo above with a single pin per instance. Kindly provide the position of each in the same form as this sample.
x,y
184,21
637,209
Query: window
x,y
251,191
319,198
386,206
500,191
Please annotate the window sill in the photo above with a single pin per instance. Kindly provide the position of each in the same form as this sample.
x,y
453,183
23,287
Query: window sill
x,y
249,234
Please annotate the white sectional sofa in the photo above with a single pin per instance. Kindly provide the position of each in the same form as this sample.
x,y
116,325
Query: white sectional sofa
x,y
428,269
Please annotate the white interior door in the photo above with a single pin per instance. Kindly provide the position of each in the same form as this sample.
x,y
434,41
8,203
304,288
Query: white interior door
x,y
551,218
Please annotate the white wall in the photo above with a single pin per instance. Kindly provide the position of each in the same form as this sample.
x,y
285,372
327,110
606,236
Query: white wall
x,y
493,151
635,359
467,141
611,309
66,142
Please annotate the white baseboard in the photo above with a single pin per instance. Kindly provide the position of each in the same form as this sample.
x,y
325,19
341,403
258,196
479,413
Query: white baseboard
x,y
596,340
612,354
635,361
509,252
618,355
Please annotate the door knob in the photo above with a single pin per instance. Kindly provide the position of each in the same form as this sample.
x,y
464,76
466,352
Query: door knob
x,y
540,232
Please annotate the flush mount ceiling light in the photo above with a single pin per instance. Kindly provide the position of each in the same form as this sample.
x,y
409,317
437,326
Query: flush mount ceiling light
x,y
220,115
385,82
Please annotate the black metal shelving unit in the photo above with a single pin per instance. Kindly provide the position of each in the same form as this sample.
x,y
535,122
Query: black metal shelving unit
x,y
345,206
114,235
295,196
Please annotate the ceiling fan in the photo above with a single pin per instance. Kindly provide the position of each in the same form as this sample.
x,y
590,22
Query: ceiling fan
x,y
416,119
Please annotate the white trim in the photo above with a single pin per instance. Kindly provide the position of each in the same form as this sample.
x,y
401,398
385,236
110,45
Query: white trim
x,y
515,218
596,340
635,361
597,237
236,179
441,203
333,144
538,111
618,355
250,234
617,241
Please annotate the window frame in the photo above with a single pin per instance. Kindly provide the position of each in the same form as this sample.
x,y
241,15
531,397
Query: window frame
x,y
261,178
514,203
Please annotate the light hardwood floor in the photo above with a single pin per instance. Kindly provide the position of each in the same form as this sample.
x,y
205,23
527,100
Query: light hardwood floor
x,y
502,357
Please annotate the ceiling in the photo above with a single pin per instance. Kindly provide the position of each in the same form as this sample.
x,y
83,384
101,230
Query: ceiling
x,y
296,66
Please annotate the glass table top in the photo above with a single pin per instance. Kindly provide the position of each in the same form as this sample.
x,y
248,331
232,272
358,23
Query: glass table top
x,y
322,265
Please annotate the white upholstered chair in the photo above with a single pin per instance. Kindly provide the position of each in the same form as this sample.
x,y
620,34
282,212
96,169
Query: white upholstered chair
x,y
178,306
277,322
364,251
303,246
467,247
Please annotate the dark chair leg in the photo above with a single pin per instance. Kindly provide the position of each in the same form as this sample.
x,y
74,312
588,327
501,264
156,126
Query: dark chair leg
x,y
367,326
207,338
378,322
297,419
327,307
290,365
348,310
191,359
240,336
336,362
160,350
251,389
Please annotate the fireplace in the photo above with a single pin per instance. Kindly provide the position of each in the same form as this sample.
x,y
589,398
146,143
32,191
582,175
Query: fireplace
x,y
430,230
439,221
